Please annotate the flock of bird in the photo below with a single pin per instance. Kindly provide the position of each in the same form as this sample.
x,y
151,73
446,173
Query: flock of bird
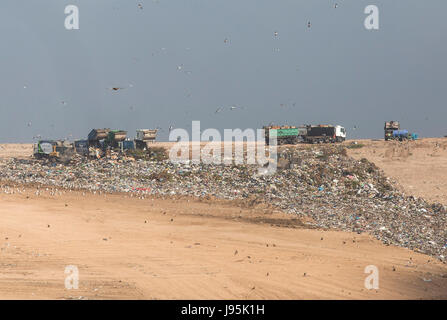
x,y
179,68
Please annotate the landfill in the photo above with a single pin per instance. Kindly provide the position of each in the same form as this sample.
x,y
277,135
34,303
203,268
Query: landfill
x,y
320,182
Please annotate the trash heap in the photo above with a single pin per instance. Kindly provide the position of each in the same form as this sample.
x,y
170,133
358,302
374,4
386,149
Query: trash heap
x,y
321,182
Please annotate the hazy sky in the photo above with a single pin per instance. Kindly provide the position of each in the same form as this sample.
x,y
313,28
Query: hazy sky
x,y
175,65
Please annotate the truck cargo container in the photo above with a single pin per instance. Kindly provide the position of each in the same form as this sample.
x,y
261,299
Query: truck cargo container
x,y
325,134
144,138
283,134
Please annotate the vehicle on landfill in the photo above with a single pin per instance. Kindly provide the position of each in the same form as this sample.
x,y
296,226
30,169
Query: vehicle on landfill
x,y
54,150
324,134
106,138
305,133
114,137
393,132
96,136
283,134
390,127
128,145
144,138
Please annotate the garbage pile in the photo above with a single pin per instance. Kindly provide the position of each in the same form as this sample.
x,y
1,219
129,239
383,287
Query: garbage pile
x,y
321,182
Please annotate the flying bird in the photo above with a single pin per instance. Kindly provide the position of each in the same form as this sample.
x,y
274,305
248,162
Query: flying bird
x,y
116,88
234,107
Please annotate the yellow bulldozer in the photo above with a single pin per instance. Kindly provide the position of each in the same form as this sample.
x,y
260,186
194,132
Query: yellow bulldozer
x,y
54,150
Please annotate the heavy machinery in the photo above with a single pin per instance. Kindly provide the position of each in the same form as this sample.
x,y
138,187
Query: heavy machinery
x,y
324,134
306,133
393,132
144,138
390,127
283,134
106,138
54,150
96,136
114,137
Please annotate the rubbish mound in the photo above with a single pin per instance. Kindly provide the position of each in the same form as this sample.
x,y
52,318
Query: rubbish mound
x,y
321,182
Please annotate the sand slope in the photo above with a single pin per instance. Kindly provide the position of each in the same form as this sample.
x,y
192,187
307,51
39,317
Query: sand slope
x,y
419,166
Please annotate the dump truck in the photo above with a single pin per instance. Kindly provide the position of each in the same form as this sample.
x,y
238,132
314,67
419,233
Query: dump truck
x,y
106,138
114,137
283,134
144,138
54,150
324,134
96,136
390,127
394,132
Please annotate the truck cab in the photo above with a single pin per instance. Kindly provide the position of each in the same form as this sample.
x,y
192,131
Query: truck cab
x,y
340,134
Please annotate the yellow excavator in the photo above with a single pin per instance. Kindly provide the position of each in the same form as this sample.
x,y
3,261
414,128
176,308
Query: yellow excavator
x,y
54,150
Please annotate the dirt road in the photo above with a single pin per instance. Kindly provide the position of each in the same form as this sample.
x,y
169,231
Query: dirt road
x,y
183,249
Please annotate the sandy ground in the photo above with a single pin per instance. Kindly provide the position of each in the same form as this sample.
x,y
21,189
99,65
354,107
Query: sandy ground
x,y
420,167
15,150
178,249
128,248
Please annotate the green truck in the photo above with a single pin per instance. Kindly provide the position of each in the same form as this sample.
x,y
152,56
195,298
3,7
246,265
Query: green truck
x,y
305,134
283,134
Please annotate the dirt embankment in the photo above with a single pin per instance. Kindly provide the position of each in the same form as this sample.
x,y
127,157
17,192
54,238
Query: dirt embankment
x,y
420,167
